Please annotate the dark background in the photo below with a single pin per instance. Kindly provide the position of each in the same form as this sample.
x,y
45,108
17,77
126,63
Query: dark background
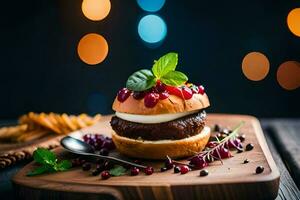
x,y
40,69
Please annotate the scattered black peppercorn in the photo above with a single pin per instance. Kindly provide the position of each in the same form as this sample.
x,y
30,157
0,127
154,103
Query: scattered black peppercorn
x,y
240,150
203,172
217,128
176,169
246,161
242,137
163,169
96,172
86,166
259,169
249,147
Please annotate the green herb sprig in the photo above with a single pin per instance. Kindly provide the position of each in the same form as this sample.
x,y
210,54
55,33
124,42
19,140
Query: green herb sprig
x,y
49,163
117,170
163,69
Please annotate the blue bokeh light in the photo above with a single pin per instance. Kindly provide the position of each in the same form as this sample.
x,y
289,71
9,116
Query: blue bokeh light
x,y
151,5
152,29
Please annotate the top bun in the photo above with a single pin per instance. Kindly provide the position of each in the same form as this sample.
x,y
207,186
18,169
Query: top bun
x,y
173,104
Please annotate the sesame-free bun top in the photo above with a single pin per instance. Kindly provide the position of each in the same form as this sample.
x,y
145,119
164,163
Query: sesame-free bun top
x,y
173,104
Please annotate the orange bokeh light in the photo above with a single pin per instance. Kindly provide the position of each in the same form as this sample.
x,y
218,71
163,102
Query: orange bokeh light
x,y
293,21
255,66
92,48
288,75
95,9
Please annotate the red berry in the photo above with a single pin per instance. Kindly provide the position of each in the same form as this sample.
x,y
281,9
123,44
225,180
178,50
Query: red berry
x,y
234,143
163,95
187,93
201,89
175,91
151,100
169,163
211,144
160,87
105,175
149,170
138,95
184,169
198,162
222,152
123,94
134,171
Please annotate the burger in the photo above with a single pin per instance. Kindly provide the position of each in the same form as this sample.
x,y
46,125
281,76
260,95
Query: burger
x,y
159,113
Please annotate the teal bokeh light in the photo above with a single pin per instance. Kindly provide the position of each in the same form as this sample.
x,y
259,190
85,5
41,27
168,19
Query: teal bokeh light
x,y
152,29
151,5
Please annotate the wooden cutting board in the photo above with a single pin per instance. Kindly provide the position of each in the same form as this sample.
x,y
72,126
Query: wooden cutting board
x,y
232,180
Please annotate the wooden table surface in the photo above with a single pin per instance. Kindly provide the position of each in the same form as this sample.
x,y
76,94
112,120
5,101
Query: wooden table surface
x,y
282,137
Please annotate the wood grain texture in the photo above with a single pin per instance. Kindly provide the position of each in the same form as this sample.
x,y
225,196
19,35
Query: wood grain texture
x,y
287,187
232,180
285,134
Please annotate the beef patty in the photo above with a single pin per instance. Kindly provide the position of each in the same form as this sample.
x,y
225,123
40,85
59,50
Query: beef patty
x,y
177,129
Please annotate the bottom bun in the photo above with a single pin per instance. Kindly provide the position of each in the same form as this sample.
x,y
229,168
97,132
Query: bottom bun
x,y
160,149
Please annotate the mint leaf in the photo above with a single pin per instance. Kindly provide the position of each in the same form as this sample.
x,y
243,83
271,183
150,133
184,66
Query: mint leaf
x,y
48,161
40,170
44,156
118,170
165,64
141,80
174,78
63,165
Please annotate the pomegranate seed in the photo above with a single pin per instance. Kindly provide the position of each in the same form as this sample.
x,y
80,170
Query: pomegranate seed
x,y
123,94
234,143
134,171
149,170
138,95
175,91
198,162
211,144
225,153
187,93
184,169
201,89
169,163
160,87
105,175
151,100
163,95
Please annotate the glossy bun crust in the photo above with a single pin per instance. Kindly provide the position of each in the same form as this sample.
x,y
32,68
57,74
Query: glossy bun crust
x,y
173,104
159,149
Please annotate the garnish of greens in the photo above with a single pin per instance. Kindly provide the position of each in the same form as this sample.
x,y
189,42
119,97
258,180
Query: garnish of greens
x,y
208,154
163,69
211,154
48,162
117,170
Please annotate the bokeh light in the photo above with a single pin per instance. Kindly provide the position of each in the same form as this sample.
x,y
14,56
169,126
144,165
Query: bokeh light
x,y
152,29
92,48
151,5
293,21
288,75
95,9
255,66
